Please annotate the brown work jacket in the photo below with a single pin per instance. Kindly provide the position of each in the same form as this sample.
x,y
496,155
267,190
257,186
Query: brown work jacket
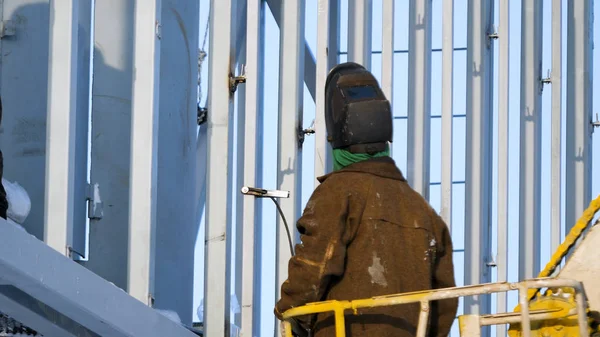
x,y
365,232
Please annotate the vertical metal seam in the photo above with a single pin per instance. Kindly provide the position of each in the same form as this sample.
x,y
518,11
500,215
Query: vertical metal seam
x,y
61,125
289,152
217,268
556,124
478,154
419,96
360,32
502,212
447,109
530,139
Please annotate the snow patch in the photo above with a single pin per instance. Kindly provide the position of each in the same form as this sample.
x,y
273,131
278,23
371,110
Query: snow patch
x,y
19,203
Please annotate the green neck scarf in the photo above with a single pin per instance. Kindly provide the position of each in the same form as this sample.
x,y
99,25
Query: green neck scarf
x,y
343,158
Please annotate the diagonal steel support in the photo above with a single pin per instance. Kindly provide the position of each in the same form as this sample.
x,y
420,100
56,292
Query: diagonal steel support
x,y
310,65
41,275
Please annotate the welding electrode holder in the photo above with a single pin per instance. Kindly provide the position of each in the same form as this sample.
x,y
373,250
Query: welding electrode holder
x,y
272,194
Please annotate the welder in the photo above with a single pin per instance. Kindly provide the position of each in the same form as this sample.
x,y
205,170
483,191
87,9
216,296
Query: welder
x,y
365,232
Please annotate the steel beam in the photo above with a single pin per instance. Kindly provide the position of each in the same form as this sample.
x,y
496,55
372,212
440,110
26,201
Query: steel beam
x,y
61,125
289,154
310,66
419,96
579,109
447,109
111,138
144,148
249,140
240,222
556,126
503,99
478,177
327,47
63,285
39,317
175,187
360,13
217,269
387,53
531,136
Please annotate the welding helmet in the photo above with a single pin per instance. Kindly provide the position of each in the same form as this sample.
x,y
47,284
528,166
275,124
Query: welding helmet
x,y
358,117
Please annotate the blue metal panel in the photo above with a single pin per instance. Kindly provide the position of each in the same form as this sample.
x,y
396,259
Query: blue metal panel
x,y
111,124
24,99
177,227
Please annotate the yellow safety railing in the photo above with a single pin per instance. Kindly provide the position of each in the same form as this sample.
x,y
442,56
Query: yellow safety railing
x,y
339,308
570,241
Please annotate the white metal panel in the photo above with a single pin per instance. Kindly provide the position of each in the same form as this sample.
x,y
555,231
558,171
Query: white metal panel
x,y
360,32
74,291
579,109
478,155
530,140
289,154
503,101
447,109
249,133
217,269
144,157
326,56
556,125
419,96
61,123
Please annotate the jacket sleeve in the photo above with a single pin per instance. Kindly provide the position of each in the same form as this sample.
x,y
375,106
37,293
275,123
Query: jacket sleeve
x,y
322,251
444,311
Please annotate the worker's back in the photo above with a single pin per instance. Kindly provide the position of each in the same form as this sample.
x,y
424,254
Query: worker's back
x,y
399,244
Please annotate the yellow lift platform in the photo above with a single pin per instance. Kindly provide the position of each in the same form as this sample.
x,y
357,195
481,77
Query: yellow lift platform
x,y
570,305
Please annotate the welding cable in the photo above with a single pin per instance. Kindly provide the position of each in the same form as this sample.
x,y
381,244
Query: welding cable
x,y
287,229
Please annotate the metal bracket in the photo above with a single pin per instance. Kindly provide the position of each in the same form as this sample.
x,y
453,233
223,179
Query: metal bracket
x,y
95,205
595,124
235,80
303,132
491,263
545,80
492,35
7,28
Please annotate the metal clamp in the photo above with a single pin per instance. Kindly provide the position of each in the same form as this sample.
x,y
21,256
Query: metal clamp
x,y
7,28
263,193
235,80
303,132
545,80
